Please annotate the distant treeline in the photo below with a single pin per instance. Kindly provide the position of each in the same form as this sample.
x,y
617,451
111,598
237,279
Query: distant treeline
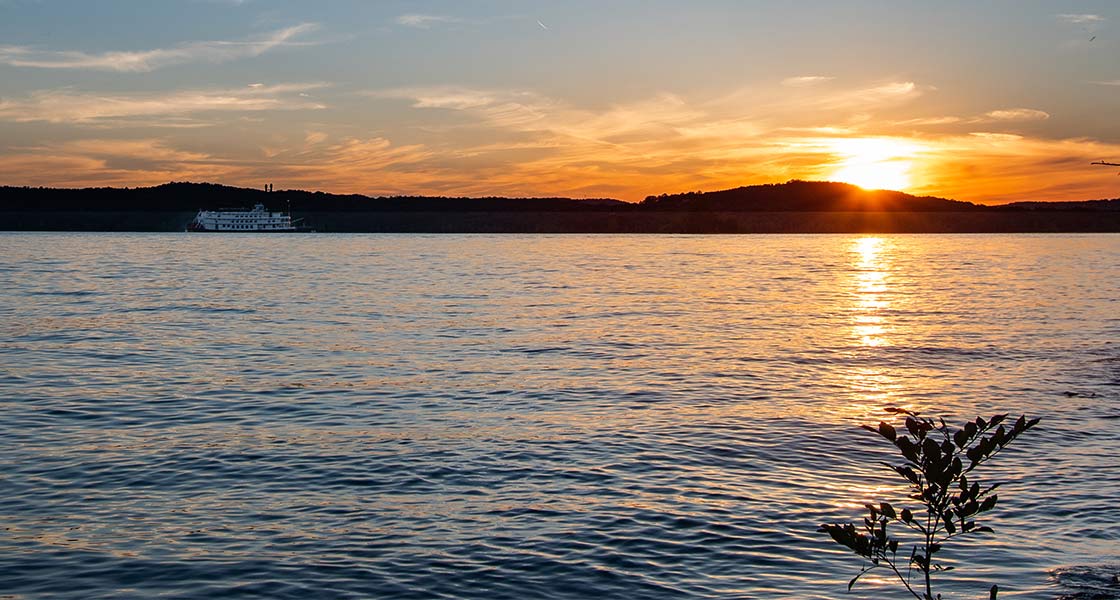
x,y
180,197
793,207
793,196
805,196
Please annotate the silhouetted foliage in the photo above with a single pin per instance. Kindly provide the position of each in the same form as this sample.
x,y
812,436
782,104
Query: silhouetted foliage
x,y
938,467
1079,206
792,207
792,196
197,196
800,195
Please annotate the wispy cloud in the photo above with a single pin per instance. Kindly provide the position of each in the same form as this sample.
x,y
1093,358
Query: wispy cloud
x,y
1000,167
522,142
1114,82
369,165
68,106
314,138
150,60
806,80
995,116
1081,19
503,108
531,143
424,21
111,162
929,121
1018,114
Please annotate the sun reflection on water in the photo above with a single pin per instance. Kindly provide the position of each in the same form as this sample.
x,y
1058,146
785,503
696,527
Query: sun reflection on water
x,y
871,267
871,386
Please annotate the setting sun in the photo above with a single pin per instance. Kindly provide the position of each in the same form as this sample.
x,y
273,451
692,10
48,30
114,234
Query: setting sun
x,y
873,163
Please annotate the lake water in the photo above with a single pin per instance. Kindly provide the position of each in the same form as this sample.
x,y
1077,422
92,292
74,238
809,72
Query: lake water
x,y
411,416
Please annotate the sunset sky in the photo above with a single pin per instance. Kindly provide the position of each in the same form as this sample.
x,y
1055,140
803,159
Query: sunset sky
x,y
1008,100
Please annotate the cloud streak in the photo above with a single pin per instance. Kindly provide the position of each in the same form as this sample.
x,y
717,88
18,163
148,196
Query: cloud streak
x,y
806,80
370,165
485,141
1018,114
68,106
423,21
1081,19
151,60
528,143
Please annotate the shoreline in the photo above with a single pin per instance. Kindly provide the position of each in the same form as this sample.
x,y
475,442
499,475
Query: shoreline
x,y
600,221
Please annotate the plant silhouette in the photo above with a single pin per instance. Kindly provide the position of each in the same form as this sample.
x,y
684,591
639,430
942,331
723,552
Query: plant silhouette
x,y
938,467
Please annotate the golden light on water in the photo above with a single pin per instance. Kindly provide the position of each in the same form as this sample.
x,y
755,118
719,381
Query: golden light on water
x,y
868,323
869,288
875,163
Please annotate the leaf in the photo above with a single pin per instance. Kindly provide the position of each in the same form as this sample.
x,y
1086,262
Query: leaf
x,y
935,471
1000,437
970,429
887,431
854,580
913,427
988,491
931,450
908,448
908,473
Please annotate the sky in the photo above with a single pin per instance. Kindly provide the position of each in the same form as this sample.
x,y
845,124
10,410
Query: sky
x,y
988,102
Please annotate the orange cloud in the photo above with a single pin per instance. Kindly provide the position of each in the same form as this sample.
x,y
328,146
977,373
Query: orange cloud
x,y
521,143
66,106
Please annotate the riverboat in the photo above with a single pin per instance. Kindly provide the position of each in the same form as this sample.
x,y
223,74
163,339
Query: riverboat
x,y
257,220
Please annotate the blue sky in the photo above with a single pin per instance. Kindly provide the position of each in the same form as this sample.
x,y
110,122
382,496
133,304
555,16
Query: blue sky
x,y
619,99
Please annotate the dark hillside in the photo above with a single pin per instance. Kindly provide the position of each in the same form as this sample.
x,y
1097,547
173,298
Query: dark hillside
x,y
179,197
1082,206
792,207
806,196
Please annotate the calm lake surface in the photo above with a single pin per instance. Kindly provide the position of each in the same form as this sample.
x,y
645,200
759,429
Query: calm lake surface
x,y
411,416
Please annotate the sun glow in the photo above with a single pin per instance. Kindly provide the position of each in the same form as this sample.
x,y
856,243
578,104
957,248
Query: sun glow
x,y
875,163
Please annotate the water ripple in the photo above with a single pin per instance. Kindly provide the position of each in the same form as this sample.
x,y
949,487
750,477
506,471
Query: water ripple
x,y
518,417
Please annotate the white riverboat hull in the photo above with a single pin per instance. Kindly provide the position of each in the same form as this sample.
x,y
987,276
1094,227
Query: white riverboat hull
x,y
257,220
